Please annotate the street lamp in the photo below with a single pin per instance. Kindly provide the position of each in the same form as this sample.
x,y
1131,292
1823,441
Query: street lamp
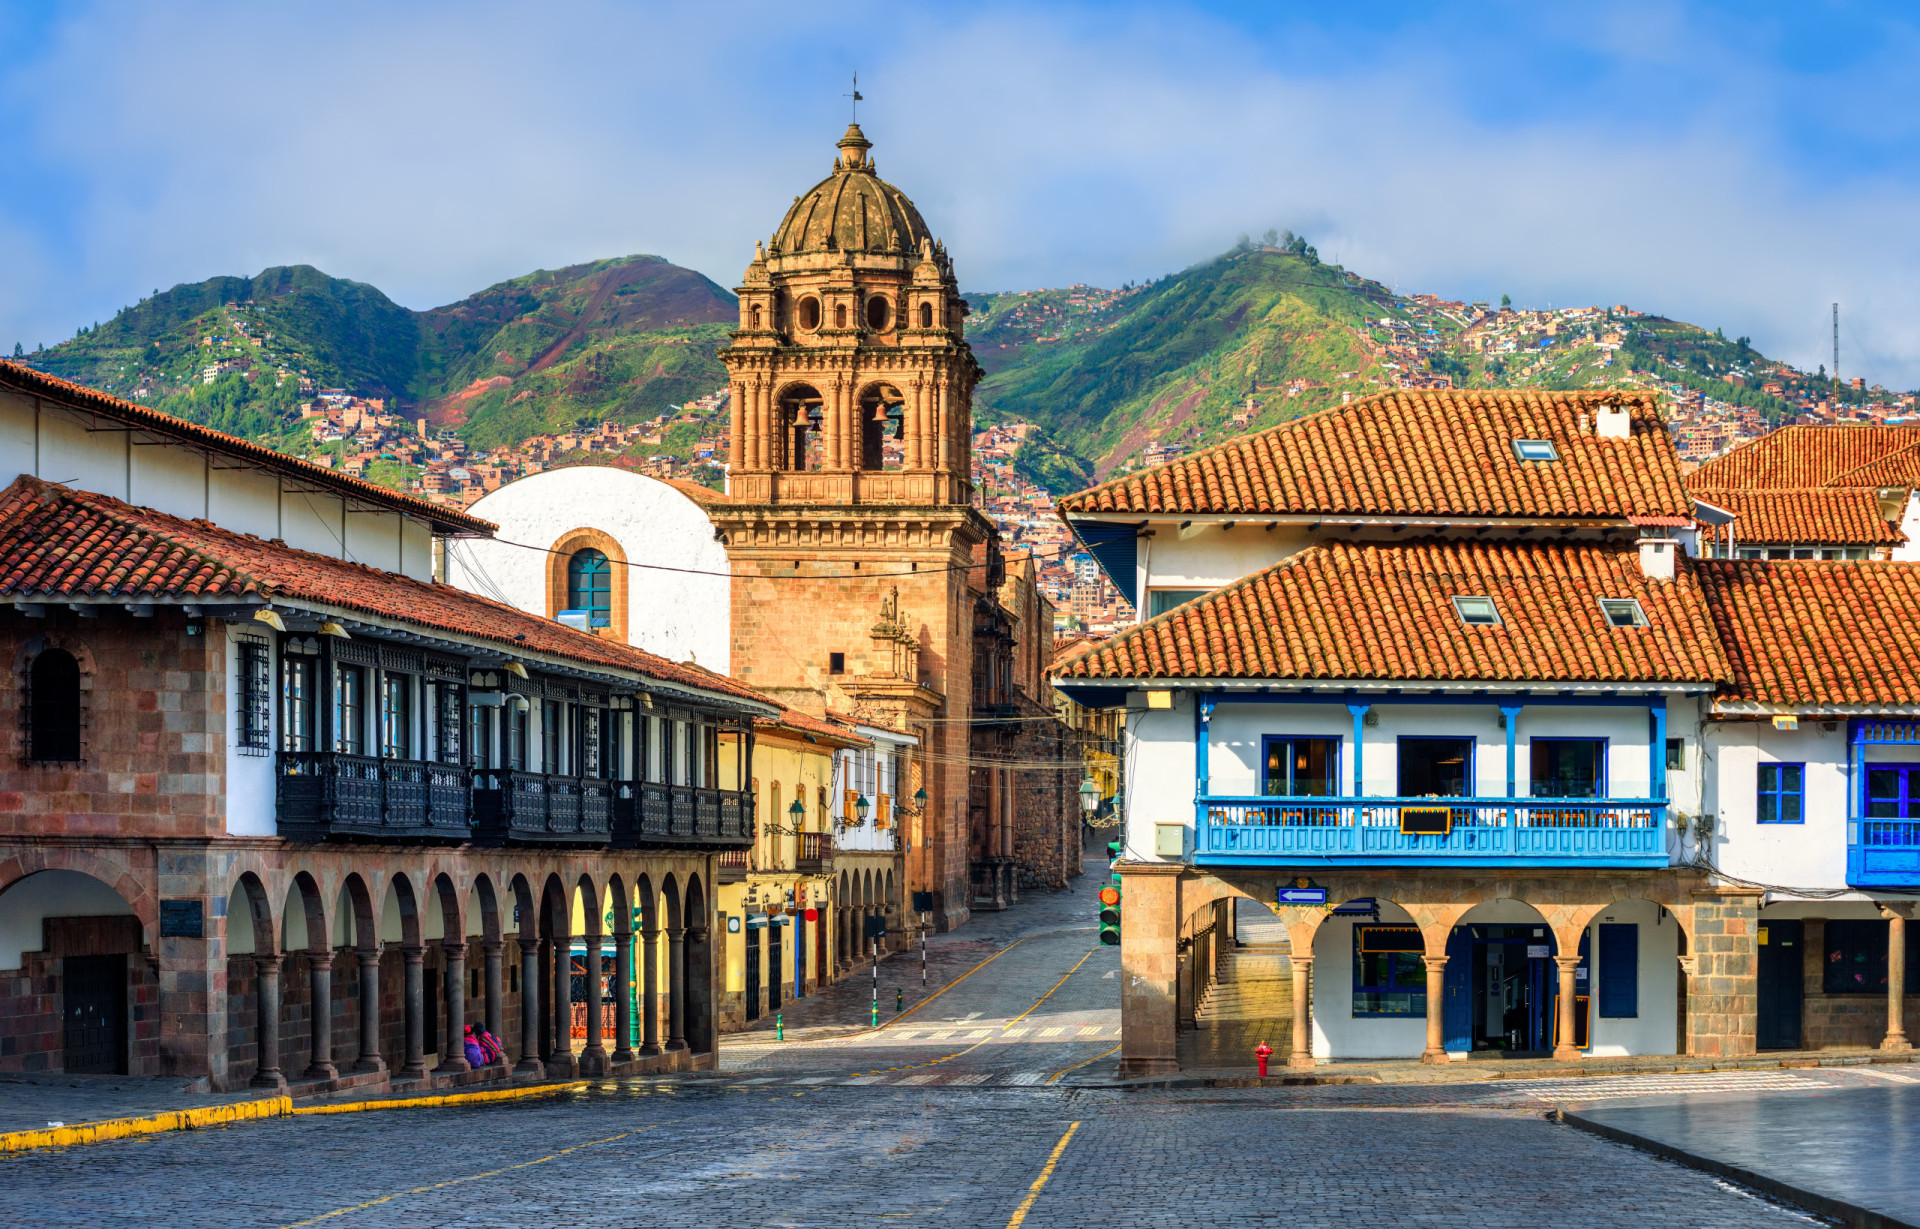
x,y
860,807
1089,796
920,799
798,813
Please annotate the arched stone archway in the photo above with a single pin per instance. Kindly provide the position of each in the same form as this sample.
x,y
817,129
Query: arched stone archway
x,y
621,909
366,950
305,915
649,967
676,967
400,921
557,978
76,943
698,970
453,990
527,936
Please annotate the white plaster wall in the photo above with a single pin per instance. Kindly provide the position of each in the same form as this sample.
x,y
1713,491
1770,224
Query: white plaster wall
x,y
239,923
373,538
1159,772
250,780
677,615
312,521
1216,556
244,500
46,894
1336,1032
170,480
1812,854
1910,525
16,438
1655,1027
69,455
1237,729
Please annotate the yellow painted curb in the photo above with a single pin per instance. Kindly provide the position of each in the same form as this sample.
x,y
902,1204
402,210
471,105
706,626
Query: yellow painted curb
x,y
126,1128
452,1098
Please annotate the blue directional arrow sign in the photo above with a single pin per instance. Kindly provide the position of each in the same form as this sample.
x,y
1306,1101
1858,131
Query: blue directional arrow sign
x,y
1301,896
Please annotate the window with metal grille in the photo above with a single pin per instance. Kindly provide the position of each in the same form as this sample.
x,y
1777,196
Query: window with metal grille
x,y
53,707
396,716
590,586
590,743
449,705
297,719
255,736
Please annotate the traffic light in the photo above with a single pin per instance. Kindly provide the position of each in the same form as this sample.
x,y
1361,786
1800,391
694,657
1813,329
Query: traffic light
x,y
1110,915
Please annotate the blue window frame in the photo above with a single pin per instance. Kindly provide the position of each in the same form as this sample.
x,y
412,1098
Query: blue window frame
x,y
1435,767
1389,976
590,586
1619,969
1300,767
1567,767
1783,794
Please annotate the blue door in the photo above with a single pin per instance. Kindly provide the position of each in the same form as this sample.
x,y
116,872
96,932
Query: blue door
x,y
1456,1006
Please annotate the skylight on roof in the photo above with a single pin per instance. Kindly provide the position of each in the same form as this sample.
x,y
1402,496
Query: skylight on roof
x,y
1535,450
1476,611
1623,611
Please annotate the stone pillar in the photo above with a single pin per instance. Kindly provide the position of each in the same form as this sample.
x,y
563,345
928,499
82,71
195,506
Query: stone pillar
x,y
369,1059
529,1063
320,978
1564,1048
560,1060
266,992
493,977
453,1045
1896,1038
676,988
593,1056
1436,1051
414,990
1149,961
1301,1056
623,996
649,992
1723,1001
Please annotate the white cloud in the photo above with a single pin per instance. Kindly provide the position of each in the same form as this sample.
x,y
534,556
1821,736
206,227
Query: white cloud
x,y
433,151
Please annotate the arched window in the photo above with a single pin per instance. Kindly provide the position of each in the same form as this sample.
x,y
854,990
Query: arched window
x,y
840,316
877,313
809,313
54,713
590,586
754,317
926,315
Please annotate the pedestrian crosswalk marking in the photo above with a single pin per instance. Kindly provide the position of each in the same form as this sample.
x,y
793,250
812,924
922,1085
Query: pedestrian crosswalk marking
x,y
1052,1032
940,1036
1091,1030
818,1079
917,1079
1894,1076
985,1032
1607,1088
1028,1077
1017,1032
970,1079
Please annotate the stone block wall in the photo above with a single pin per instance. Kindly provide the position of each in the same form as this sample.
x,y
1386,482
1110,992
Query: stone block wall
x,y
1843,1021
1723,1002
32,1023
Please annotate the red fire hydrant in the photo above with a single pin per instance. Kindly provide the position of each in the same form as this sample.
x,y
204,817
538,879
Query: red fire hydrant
x,y
1263,1052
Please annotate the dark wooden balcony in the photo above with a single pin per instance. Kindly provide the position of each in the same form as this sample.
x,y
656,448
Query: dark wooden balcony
x,y
647,815
816,853
734,866
510,806
324,795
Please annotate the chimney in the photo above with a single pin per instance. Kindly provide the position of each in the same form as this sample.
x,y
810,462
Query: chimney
x,y
1657,557
1613,423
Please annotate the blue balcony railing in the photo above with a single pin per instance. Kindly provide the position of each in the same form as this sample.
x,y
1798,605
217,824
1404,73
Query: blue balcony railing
x,y
1883,853
1601,832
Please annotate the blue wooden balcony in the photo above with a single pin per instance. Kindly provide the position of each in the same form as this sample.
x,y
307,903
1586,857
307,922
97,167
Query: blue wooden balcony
x,y
1883,853
1883,805
1376,831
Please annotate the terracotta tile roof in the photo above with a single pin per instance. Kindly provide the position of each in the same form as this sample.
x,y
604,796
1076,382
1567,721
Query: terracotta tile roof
x,y
1371,611
795,721
57,543
1847,516
1817,633
25,380
1440,452
1797,458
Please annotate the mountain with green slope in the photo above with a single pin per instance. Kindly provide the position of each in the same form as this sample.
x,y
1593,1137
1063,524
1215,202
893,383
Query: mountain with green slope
x,y
616,339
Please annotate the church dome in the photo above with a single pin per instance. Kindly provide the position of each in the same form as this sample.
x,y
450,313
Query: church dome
x,y
851,210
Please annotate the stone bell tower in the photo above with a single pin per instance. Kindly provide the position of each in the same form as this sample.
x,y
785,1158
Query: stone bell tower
x,y
850,336
849,494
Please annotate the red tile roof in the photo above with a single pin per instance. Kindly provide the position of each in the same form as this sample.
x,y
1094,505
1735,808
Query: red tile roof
x,y
1817,633
57,543
1847,516
25,380
1435,452
1370,611
795,721
1797,458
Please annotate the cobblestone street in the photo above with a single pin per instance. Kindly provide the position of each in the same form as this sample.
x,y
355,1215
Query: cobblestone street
x,y
961,1113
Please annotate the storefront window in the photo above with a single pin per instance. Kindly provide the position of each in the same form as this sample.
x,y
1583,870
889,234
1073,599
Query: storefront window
x,y
1855,958
1302,767
1389,976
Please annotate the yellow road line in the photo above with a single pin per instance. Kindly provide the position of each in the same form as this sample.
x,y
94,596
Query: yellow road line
x,y
1070,1070
1033,1192
452,1098
419,1190
150,1124
1049,994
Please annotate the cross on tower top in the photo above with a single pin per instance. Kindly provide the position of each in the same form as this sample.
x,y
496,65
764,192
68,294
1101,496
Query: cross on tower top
x,y
857,98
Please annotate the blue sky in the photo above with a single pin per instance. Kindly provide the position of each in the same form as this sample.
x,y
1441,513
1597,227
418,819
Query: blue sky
x,y
1740,166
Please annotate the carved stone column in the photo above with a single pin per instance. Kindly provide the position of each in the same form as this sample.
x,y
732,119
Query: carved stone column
x,y
453,1046
1896,1038
1302,1053
369,1059
649,993
529,1063
676,988
1565,1049
593,1057
623,996
320,978
266,993
1436,1051
493,977
415,990
560,1062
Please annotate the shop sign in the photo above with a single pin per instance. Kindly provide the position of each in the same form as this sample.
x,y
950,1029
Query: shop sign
x,y
1536,951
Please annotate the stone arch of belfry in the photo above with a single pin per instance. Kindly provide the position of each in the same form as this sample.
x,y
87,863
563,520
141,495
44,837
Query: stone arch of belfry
x,y
855,302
